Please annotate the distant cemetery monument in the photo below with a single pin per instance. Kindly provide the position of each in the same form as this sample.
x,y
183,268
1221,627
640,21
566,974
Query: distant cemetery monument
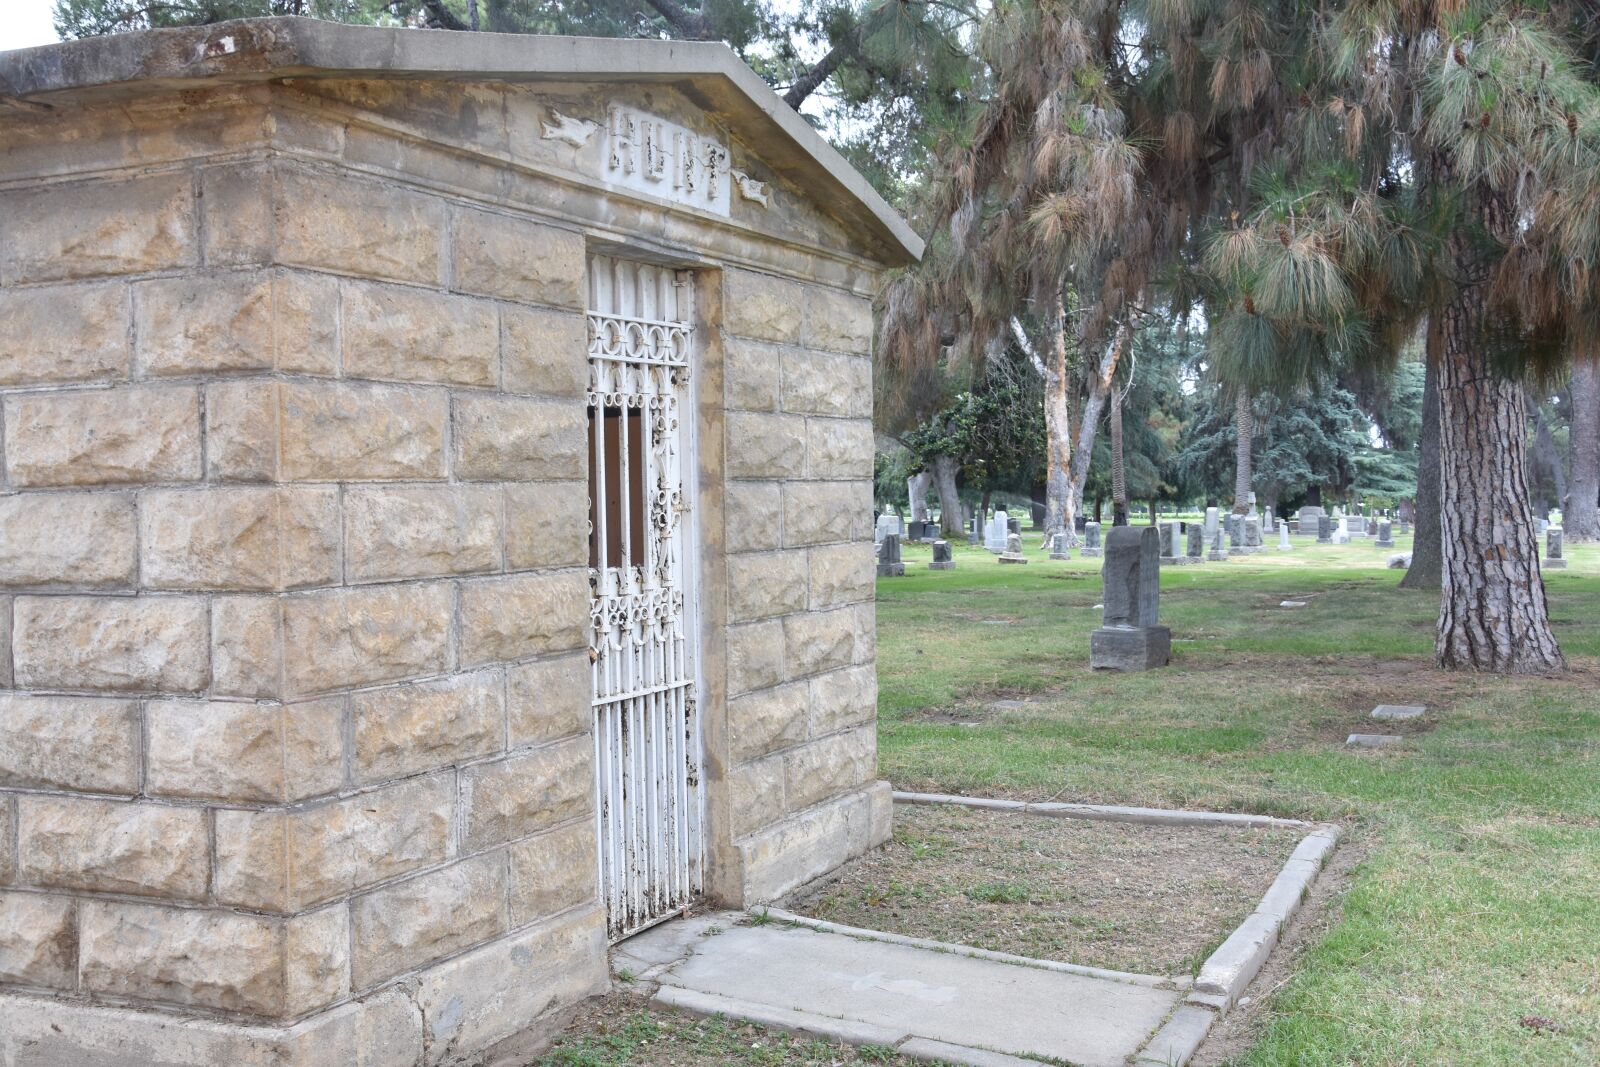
x,y
1130,638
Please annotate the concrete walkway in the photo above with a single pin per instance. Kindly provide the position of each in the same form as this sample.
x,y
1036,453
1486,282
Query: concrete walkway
x,y
927,1002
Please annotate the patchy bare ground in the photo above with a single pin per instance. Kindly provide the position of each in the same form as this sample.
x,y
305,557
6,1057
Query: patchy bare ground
x,y
1148,899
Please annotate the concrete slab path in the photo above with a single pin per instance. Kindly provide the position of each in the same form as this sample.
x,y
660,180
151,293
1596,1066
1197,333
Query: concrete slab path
x,y
925,1002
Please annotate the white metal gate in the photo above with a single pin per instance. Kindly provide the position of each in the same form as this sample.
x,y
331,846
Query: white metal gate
x,y
643,577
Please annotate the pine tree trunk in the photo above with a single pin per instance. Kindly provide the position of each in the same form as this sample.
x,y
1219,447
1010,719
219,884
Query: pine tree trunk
x,y
1244,429
1580,511
1119,481
1424,572
951,519
1493,615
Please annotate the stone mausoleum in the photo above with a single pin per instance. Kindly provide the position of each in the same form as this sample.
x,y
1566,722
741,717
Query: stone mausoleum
x,y
435,530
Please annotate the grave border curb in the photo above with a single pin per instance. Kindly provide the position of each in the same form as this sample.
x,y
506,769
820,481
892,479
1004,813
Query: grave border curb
x,y
1112,812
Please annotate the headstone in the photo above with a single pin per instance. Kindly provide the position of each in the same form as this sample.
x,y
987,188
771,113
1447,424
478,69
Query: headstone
x,y
1341,535
1308,517
1219,547
1373,740
1283,536
1372,527
1252,534
1385,535
917,489
1235,525
889,565
1130,638
1544,526
994,534
1402,527
1013,552
888,523
1169,541
942,559
1213,522
1197,543
1079,522
1058,545
1555,548
1398,712
1091,540
1324,530
975,532
1013,526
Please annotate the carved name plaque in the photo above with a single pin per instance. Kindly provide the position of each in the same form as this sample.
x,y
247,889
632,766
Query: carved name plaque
x,y
662,159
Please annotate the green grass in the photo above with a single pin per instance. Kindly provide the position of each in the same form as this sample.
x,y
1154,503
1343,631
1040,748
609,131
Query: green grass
x,y
1477,902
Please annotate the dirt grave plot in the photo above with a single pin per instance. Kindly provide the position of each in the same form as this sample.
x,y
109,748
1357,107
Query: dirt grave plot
x,y
1146,899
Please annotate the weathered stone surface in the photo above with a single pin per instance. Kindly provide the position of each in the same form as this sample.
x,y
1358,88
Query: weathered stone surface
x,y
420,531
841,574
236,202
755,656
341,638
8,847
407,334
509,256
243,752
266,320
836,764
516,439
246,647
358,227
766,721
1125,648
213,959
762,307
242,431
239,539
764,584
552,872
752,516
426,725
751,375
822,512
547,525
38,940
78,743
765,446
523,615
528,792
842,699
316,959
549,699
841,322
819,641
76,333
103,437
339,431
819,384
789,853
277,861
83,229
5,640
406,925
839,448
157,644
109,846
544,351
79,539
755,795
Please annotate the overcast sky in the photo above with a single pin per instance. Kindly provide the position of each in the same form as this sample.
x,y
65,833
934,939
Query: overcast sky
x,y
26,23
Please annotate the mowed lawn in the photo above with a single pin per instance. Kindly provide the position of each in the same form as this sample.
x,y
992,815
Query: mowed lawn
x,y
1470,930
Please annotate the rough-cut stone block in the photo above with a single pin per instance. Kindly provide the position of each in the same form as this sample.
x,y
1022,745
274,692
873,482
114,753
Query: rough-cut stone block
x,y
819,641
1130,648
752,516
526,793
342,638
281,862
358,227
841,322
839,448
843,699
544,351
406,925
807,845
239,539
76,333
511,257
755,796
762,307
103,437
819,384
426,725
549,699
316,959
765,446
766,721
243,752
109,846
242,431
547,525
822,512
78,539
205,323
78,743
339,431
39,940
8,845
246,647
83,229
552,872
755,656
751,374
236,203
766,584
519,439
158,644
524,615
5,640
841,574
414,335
420,531
837,764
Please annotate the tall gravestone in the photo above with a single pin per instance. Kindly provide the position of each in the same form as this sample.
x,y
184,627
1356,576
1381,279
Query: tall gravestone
x,y
1197,544
942,559
1324,530
1385,535
994,534
1213,522
1058,546
1252,534
1171,542
1091,540
1283,536
889,564
1130,638
1555,549
1219,547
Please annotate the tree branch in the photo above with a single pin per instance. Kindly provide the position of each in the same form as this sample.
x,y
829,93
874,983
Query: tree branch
x,y
1027,348
442,16
849,47
692,27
